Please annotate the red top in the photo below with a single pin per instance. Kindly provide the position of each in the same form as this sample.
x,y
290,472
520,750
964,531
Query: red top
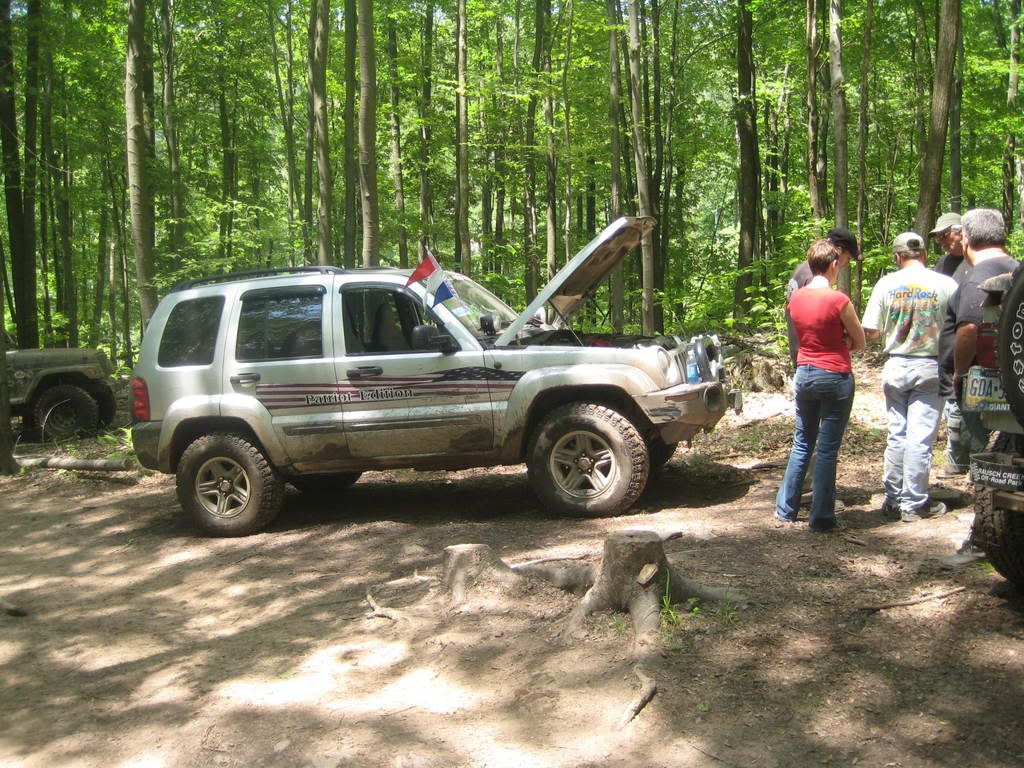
x,y
815,314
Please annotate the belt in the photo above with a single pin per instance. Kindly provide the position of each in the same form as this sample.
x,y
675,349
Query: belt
x,y
918,357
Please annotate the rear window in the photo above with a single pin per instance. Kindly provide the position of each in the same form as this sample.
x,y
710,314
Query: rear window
x,y
276,326
190,334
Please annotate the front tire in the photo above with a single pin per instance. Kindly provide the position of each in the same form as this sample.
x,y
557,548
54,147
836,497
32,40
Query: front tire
x,y
1000,534
65,411
588,460
227,486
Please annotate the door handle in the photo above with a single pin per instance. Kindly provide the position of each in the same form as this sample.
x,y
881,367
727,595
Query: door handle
x,y
364,370
245,378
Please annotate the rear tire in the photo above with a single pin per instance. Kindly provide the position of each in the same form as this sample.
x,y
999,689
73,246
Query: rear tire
x,y
227,486
588,460
65,411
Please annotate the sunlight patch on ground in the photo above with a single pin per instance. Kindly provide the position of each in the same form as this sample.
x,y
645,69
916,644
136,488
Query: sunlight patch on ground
x,y
9,651
144,761
86,655
173,558
332,678
162,687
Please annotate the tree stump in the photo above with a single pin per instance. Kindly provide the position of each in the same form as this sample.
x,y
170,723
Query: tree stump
x,y
468,565
634,576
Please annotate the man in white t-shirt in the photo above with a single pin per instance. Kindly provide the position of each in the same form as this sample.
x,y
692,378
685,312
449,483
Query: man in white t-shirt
x,y
905,312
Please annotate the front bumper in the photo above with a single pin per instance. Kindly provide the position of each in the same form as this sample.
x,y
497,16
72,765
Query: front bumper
x,y
680,412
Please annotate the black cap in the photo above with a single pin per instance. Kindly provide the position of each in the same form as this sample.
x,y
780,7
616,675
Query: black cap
x,y
844,238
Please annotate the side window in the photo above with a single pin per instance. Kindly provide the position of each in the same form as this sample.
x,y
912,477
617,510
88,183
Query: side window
x,y
378,320
190,334
276,325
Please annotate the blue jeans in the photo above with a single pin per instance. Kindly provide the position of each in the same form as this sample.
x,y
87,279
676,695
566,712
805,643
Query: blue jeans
x,y
965,434
911,387
823,403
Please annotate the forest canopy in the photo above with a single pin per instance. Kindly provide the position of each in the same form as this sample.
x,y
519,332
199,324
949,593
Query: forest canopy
x,y
145,143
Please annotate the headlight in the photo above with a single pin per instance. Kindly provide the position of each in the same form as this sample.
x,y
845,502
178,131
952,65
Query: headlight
x,y
669,366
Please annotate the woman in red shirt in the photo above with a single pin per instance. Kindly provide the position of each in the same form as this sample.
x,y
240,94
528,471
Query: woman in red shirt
x,y
827,326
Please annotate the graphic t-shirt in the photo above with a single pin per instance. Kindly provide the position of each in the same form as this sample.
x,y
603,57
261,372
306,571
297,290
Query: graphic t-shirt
x,y
907,307
815,316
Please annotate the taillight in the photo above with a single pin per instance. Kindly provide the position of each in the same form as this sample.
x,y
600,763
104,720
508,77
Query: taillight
x,y
140,399
986,348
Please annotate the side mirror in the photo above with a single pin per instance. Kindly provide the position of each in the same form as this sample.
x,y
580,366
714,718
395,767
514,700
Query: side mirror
x,y
428,337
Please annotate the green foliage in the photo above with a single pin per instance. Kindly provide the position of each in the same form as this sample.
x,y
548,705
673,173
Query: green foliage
x,y
234,157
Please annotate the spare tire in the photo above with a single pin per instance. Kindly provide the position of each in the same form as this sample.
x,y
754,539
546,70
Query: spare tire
x,y
65,411
1010,345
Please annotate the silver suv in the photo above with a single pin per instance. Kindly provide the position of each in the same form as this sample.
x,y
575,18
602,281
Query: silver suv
x,y
313,375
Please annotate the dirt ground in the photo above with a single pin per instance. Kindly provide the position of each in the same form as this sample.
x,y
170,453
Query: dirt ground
x,y
147,645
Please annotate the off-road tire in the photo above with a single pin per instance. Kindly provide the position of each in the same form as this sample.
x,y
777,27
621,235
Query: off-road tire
x,y
614,468
1010,346
999,533
104,397
65,411
243,491
659,452
320,484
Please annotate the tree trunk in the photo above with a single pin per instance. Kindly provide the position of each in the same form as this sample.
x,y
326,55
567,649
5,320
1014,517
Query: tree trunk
x,y
640,161
567,135
614,102
426,73
177,223
835,57
351,161
550,166
816,194
368,135
462,143
1011,158
33,27
137,145
285,108
22,260
931,168
541,19
862,138
956,191
324,255
749,186
225,249
396,145
100,289
8,466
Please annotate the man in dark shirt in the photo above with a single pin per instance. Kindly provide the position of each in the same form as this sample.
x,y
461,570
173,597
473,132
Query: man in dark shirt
x,y
948,233
984,237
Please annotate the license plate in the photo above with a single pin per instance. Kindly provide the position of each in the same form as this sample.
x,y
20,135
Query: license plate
x,y
983,391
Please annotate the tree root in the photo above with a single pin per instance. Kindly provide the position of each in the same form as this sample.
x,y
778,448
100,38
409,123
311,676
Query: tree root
x,y
648,687
913,601
382,611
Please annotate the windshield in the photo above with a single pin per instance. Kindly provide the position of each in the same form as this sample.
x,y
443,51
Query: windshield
x,y
476,302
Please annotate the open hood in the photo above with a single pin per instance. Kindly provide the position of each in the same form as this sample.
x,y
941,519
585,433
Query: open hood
x,y
578,279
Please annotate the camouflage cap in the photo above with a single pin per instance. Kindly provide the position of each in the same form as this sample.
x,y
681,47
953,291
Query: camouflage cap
x,y
908,241
946,221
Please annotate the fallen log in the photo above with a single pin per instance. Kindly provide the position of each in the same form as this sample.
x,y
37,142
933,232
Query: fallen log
x,y
94,465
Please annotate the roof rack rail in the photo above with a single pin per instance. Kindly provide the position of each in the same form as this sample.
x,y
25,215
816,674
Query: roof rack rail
x,y
250,273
